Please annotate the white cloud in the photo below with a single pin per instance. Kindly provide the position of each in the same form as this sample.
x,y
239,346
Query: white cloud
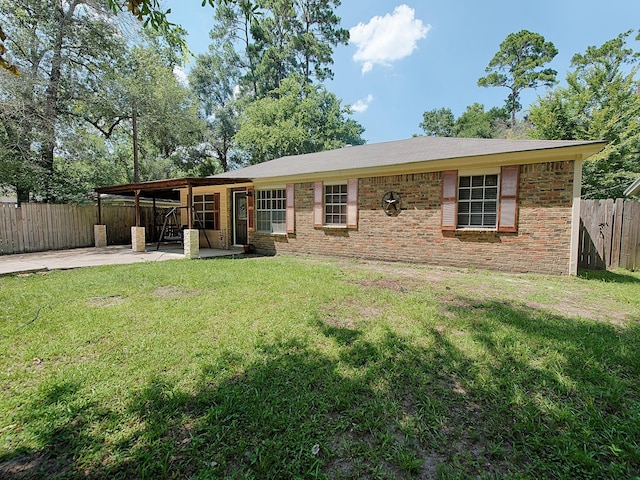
x,y
178,72
386,39
362,104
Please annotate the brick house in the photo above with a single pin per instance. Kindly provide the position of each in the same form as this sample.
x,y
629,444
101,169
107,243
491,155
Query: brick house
x,y
510,205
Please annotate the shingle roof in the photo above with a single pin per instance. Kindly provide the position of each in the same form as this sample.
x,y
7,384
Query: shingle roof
x,y
417,149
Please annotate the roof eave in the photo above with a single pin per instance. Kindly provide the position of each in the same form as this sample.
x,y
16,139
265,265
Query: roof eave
x,y
575,153
167,185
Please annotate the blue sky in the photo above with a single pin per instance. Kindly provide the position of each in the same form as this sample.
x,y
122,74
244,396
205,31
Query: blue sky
x,y
409,57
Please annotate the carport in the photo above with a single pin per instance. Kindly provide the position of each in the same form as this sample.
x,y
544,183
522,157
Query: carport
x,y
159,190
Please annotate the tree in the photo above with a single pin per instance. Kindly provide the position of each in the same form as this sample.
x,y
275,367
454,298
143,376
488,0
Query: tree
x,y
150,12
296,118
169,130
600,102
68,128
438,123
60,46
255,49
19,167
316,34
518,65
476,123
214,82
473,123
269,41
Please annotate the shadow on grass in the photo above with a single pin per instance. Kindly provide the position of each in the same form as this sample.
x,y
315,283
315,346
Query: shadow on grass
x,y
497,390
619,276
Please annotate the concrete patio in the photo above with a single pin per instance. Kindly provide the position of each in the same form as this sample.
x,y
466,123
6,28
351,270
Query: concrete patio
x,y
94,256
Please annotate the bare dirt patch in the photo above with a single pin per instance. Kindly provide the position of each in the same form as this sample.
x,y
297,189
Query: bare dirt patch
x,y
351,312
463,288
20,467
395,284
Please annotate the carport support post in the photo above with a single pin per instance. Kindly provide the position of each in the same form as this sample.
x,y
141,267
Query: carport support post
x,y
191,243
191,235
138,241
100,230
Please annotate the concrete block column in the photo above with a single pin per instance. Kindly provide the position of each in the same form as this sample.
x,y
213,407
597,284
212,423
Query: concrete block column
x,y
138,239
100,235
191,243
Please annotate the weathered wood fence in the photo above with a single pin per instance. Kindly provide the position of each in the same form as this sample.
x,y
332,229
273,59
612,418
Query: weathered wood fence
x,y
609,234
36,227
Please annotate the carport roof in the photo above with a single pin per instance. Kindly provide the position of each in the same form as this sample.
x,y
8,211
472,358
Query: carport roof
x,y
168,189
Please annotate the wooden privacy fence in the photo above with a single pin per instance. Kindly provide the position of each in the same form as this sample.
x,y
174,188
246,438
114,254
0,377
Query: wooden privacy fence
x,y
609,234
37,227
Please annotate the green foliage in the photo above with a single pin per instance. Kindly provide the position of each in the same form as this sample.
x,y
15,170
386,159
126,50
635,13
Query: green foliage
x,y
600,102
62,52
438,123
214,80
84,102
518,65
318,369
252,109
268,41
476,123
473,123
296,118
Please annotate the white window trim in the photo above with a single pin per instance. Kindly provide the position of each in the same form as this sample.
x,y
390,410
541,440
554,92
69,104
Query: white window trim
x,y
477,173
257,208
324,204
201,211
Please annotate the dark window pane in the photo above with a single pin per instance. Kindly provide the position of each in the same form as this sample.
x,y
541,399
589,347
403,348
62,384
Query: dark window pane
x,y
477,181
477,193
491,180
476,207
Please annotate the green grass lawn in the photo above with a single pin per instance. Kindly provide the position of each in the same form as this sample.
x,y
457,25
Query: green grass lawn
x,y
295,367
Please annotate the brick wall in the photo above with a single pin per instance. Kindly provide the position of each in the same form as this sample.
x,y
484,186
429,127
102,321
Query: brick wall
x,y
541,244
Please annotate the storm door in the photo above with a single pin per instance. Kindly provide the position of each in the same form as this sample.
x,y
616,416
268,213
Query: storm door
x,y
240,218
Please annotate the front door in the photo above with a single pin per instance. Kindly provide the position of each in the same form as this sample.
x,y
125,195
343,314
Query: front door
x,y
240,218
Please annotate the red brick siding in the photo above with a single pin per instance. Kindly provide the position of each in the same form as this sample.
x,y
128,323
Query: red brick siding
x,y
541,243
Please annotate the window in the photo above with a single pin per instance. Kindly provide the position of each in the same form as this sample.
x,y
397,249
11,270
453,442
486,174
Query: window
x,y
487,201
478,201
271,208
205,210
335,204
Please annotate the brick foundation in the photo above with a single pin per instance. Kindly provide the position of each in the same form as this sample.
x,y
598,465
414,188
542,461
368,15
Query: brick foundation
x,y
541,244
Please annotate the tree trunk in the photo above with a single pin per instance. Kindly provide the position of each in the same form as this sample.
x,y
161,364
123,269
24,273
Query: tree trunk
x,y
134,121
50,109
22,195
